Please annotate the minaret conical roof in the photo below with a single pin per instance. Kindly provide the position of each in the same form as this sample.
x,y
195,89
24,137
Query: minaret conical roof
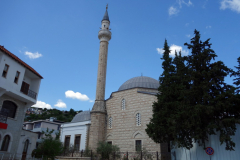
x,y
105,17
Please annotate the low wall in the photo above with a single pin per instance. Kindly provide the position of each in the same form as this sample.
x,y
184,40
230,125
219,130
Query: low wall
x,y
72,158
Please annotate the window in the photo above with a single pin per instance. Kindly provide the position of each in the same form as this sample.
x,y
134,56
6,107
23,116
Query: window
x,y
138,119
123,104
5,70
37,124
16,77
5,143
109,142
67,141
110,122
10,108
138,145
77,142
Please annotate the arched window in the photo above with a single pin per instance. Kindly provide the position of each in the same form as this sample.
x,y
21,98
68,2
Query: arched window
x,y
10,108
123,104
138,119
5,143
110,122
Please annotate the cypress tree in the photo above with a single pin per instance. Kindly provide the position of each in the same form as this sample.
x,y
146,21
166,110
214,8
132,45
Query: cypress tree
x,y
212,101
158,128
237,75
194,101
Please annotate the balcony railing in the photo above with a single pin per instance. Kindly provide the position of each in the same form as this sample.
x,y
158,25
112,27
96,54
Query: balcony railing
x,y
32,94
25,89
3,116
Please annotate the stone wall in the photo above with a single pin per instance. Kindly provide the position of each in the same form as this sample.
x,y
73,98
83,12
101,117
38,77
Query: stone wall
x,y
97,129
124,131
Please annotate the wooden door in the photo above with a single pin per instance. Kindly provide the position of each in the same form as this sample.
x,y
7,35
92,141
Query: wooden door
x,y
25,87
24,154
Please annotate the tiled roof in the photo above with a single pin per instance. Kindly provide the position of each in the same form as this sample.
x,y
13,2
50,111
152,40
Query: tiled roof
x,y
19,61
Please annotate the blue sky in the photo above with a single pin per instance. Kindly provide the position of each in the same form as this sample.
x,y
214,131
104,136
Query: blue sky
x,y
59,39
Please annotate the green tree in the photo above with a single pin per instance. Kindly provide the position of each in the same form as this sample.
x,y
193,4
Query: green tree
x,y
193,100
49,147
158,128
237,75
106,149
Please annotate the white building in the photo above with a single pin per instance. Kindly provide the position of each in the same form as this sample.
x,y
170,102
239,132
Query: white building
x,y
19,86
41,126
75,133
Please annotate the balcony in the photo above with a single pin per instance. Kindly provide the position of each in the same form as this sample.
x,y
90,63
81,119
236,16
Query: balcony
x,y
25,90
3,120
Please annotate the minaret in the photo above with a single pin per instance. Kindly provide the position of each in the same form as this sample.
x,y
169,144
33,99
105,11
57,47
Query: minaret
x,y
98,113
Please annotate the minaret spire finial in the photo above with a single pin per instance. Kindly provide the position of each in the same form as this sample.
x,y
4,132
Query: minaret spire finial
x,y
107,6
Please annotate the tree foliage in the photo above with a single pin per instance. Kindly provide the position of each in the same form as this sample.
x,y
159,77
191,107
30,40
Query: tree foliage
x,y
106,149
49,147
65,116
193,100
237,75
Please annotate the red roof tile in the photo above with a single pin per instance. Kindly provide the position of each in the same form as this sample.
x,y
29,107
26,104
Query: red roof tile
x,y
19,61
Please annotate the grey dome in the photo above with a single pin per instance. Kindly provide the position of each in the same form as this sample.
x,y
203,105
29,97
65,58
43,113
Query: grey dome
x,y
105,17
82,116
142,82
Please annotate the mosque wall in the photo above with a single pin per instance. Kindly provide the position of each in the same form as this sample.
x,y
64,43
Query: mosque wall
x,y
124,130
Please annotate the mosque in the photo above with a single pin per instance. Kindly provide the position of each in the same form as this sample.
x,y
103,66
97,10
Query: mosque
x,y
119,120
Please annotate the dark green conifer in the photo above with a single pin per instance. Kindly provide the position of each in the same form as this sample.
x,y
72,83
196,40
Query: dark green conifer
x,y
237,75
194,101
158,128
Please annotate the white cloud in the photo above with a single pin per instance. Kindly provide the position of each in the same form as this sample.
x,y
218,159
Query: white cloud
x,y
33,55
208,27
234,5
91,100
188,35
60,104
205,3
172,11
173,48
180,2
76,95
41,104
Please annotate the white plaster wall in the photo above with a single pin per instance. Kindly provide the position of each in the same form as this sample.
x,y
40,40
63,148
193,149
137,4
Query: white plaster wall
x,y
14,125
50,126
29,126
8,82
73,129
35,85
1,55
27,79
27,135
198,153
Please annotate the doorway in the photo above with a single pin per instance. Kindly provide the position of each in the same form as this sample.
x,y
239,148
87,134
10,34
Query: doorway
x,y
24,154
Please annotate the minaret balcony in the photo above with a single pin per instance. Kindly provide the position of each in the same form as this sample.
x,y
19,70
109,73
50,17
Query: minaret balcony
x,y
104,34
